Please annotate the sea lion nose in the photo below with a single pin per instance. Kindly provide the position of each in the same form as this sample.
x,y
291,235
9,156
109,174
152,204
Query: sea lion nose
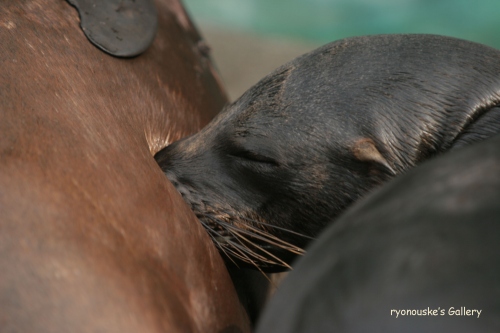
x,y
176,160
164,156
182,150
168,160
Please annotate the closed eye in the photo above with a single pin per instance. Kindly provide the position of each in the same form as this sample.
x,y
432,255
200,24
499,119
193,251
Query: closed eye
x,y
254,157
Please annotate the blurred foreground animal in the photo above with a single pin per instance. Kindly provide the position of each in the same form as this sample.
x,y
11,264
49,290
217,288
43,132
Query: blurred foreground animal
x,y
93,237
421,254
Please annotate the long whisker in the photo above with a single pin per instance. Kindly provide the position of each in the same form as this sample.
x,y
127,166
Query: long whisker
x,y
242,250
270,239
241,247
237,247
238,241
264,236
239,236
260,235
214,236
272,226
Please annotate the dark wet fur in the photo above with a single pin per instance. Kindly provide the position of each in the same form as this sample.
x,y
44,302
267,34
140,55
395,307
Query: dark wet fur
x,y
323,130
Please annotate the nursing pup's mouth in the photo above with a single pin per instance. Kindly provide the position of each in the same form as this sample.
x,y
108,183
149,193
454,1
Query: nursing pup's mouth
x,y
246,242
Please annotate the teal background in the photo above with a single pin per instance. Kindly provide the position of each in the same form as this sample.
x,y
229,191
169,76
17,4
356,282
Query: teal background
x,y
322,21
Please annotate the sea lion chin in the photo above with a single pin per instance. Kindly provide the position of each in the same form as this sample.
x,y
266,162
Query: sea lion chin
x,y
305,142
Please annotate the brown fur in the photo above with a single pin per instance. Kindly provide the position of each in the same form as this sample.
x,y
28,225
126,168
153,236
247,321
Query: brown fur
x,y
93,236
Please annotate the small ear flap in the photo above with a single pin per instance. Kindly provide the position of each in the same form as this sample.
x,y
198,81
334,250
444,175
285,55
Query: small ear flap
x,y
366,151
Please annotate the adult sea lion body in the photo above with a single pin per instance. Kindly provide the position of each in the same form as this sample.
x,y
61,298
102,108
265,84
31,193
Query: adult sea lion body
x,y
321,131
420,254
93,237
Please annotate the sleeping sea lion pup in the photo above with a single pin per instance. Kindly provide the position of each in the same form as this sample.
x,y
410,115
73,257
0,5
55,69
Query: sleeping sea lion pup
x,y
321,131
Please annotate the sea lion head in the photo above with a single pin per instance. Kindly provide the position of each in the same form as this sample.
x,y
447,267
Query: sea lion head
x,y
271,168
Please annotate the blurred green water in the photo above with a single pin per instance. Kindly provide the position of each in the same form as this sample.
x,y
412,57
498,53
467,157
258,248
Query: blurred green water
x,y
327,20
